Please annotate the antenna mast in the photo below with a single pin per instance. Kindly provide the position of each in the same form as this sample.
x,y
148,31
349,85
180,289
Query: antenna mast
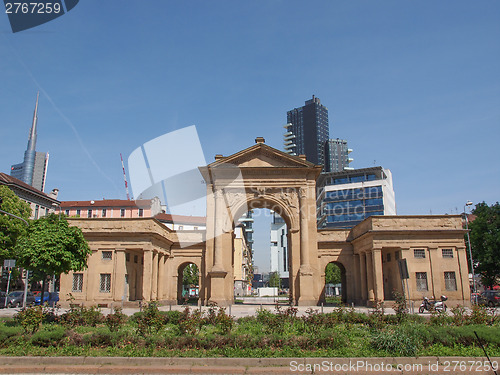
x,y
125,178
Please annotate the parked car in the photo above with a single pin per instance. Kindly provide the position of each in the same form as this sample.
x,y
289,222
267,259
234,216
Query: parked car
x,y
3,303
17,298
48,297
490,298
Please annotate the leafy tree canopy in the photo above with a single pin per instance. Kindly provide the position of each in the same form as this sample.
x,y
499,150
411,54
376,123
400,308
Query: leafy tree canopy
x,y
51,246
274,280
332,274
485,241
10,227
190,275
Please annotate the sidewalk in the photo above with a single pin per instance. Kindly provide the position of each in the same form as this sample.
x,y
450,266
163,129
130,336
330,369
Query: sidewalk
x,y
237,311
334,366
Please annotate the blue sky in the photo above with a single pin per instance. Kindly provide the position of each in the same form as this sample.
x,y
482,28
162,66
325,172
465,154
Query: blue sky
x,y
413,86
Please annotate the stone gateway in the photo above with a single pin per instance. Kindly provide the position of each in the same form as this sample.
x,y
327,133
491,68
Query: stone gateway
x,y
140,259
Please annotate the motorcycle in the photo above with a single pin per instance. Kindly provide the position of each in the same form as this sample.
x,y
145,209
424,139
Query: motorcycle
x,y
433,305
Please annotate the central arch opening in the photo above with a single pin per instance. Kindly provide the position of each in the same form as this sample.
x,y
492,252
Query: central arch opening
x,y
266,234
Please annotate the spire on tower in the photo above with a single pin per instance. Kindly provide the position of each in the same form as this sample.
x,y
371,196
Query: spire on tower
x,y
32,139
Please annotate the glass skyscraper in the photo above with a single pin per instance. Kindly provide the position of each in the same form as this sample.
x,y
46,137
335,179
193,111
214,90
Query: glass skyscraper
x,y
337,155
33,169
307,131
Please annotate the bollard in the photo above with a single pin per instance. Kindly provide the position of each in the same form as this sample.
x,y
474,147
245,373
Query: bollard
x,y
321,307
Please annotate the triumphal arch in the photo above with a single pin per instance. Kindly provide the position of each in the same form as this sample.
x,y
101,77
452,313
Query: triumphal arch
x,y
139,259
261,177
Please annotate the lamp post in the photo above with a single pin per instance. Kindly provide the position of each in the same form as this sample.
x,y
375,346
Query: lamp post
x,y
469,203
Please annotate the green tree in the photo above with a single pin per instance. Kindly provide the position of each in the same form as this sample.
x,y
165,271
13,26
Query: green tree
x,y
52,247
190,275
485,241
332,274
11,228
274,280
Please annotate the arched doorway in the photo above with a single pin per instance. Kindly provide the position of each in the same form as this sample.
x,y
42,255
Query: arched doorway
x,y
188,283
335,283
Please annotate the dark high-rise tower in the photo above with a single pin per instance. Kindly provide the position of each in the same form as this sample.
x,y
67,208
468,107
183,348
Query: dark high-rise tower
x,y
33,169
307,131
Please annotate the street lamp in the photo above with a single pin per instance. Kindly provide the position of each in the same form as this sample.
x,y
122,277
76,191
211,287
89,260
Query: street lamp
x,y
469,203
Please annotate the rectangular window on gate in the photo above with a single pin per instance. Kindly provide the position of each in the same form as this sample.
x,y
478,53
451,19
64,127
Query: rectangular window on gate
x,y
450,282
105,285
77,282
419,253
421,281
447,253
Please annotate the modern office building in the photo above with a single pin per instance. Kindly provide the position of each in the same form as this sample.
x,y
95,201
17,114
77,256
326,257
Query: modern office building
x,y
337,155
346,198
33,169
307,131
279,249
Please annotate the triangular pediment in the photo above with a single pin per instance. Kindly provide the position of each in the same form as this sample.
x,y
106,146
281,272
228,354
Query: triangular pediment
x,y
261,155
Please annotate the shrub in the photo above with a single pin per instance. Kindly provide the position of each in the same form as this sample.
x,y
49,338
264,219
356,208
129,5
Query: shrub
x,y
479,315
8,332
30,318
400,305
50,336
115,320
172,317
150,320
82,316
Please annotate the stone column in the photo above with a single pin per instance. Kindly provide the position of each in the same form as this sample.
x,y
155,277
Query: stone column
x,y
219,221
161,276
120,269
307,291
463,278
154,277
357,279
369,277
218,272
362,274
91,277
147,271
378,274
304,232
434,276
